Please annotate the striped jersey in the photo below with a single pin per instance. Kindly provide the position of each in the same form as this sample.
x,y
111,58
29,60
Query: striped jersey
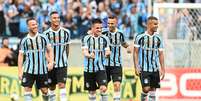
x,y
116,40
59,40
98,45
34,49
149,47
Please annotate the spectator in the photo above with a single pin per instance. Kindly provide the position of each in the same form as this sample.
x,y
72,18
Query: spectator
x,y
2,19
12,17
134,15
7,58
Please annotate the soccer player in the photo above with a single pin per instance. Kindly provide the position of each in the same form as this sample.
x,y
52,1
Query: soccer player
x,y
95,48
149,59
34,46
114,62
59,38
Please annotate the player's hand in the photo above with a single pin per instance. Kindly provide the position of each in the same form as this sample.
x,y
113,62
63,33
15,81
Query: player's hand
x,y
92,55
50,66
162,74
20,75
107,54
137,70
128,49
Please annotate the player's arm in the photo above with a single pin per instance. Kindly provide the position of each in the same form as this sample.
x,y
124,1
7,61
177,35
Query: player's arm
x,y
161,60
125,44
87,54
85,50
107,49
20,59
68,42
20,64
50,57
135,56
135,60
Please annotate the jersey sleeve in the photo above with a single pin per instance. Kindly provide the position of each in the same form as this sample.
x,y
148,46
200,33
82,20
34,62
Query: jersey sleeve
x,y
22,46
161,44
84,42
137,41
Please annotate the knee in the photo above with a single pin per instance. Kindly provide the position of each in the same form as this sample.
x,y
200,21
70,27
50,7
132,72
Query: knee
x,y
117,86
146,89
52,87
92,92
103,89
61,85
44,91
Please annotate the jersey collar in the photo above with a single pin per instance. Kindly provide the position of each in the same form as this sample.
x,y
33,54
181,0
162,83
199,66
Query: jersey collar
x,y
55,31
32,37
146,33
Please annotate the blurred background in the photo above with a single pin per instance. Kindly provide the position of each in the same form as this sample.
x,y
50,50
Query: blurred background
x,y
179,26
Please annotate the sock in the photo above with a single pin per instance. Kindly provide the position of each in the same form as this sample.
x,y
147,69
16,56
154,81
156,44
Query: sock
x,y
45,97
92,97
104,97
117,96
27,96
143,96
52,95
63,96
152,96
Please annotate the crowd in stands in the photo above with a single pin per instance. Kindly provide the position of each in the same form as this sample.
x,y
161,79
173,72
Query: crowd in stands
x,y
75,15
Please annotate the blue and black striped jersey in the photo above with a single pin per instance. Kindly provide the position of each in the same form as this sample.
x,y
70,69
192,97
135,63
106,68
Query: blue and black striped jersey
x,y
117,39
149,47
59,40
34,49
98,45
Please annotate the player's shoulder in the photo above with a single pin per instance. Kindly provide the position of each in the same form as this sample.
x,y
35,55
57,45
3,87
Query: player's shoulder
x,y
86,37
105,33
120,31
65,30
103,36
140,35
23,39
46,31
42,35
158,35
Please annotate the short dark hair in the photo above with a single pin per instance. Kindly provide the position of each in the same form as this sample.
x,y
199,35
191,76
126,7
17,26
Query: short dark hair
x,y
4,38
152,18
112,17
53,12
30,19
97,20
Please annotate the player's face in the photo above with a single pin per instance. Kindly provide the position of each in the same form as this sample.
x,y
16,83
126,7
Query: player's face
x,y
55,19
5,42
153,25
96,29
33,26
112,23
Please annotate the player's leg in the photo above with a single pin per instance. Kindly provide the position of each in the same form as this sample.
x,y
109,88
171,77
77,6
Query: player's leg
x,y
42,84
27,83
145,82
155,83
52,84
101,79
108,69
116,73
90,85
61,75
